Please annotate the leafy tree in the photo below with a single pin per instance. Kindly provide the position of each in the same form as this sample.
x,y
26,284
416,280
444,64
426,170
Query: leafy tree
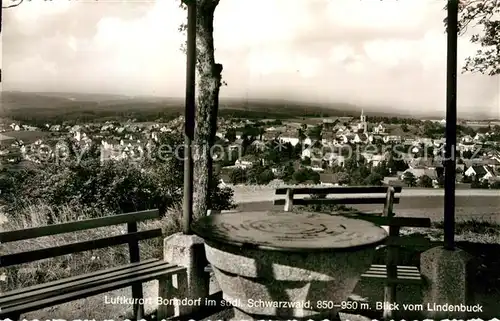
x,y
230,135
301,135
405,128
395,163
306,174
238,176
425,181
306,161
467,154
359,175
342,178
315,133
495,185
409,179
382,169
287,173
259,174
484,15
374,179
266,176
441,181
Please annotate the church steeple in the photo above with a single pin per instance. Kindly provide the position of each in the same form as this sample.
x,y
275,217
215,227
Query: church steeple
x,y
363,121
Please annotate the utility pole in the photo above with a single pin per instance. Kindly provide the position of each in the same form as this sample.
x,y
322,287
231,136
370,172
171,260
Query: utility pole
x,y
451,126
189,120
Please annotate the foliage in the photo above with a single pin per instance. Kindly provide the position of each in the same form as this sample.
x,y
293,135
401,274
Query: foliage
x,y
395,163
441,181
425,181
410,179
238,176
230,135
287,172
483,14
315,133
374,179
381,169
495,185
106,187
433,130
306,174
259,174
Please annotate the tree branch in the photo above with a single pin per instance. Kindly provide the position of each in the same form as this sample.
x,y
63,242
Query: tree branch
x,y
13,5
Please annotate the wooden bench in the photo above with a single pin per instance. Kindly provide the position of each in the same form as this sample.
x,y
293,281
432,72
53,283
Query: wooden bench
x,y
19,301
391,273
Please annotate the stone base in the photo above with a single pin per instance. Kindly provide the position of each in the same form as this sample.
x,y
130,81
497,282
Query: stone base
x,y
187,251
322,280
450,281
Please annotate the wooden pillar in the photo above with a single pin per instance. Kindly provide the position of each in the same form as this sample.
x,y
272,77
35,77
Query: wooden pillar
x,y
189,116
451,126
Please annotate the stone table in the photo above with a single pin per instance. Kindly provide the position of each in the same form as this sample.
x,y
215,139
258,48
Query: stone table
x,y
283,265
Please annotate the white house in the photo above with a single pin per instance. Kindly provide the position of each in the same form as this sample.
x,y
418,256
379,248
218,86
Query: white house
x,y
392,139
420,172
294,140
379,129
480,171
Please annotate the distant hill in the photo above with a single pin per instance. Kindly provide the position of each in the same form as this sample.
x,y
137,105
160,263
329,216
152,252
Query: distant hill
x,y
58,107
75,107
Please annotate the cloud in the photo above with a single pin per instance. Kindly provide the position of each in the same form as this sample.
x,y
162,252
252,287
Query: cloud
x,y
385,53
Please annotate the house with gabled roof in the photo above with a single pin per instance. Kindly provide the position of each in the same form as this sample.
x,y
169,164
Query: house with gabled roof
x,y
380,128
480,171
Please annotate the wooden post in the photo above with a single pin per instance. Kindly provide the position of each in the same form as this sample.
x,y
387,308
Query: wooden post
x,y
392,255
189,117
451,126
289,200
389,202
137,293
392,272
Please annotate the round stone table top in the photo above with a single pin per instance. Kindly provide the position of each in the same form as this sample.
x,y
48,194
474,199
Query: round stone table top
x,y
287,231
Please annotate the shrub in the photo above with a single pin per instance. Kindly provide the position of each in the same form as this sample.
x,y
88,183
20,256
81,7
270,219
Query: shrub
x,y
238,176
306,174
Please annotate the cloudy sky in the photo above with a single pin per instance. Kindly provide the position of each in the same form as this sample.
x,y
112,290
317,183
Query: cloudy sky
x,y
374,53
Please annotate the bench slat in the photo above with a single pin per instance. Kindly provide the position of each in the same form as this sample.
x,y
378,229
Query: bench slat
x,y
73,278
55,229
338,190
93,290
84,284
67,285
405,274
30,256
352,200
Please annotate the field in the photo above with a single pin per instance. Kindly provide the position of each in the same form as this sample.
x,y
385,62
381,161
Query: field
x,y
27,136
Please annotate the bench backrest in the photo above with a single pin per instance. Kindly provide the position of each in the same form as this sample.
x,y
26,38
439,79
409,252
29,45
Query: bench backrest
x,y
350,195
132,237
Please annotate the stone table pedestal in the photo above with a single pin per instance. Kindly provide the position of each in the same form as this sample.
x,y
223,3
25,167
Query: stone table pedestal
x,y
282,265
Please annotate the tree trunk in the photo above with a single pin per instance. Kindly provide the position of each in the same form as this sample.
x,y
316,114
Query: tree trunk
x,y
208,87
